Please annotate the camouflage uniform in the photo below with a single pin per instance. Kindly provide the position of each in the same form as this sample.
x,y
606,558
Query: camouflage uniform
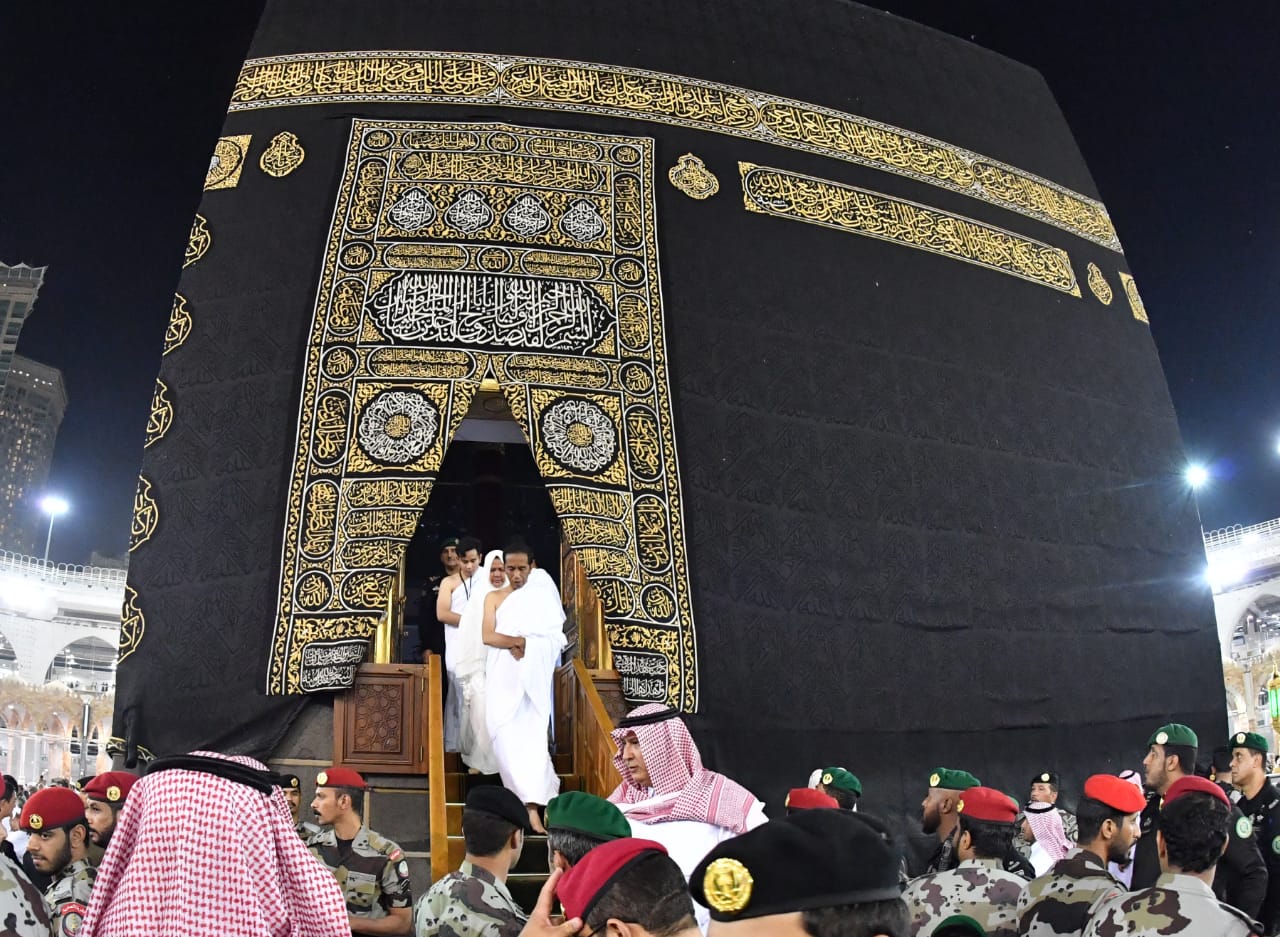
x,y
1178,904
373,875
979,888
67,897
944,859
1057,904
468,903
22,909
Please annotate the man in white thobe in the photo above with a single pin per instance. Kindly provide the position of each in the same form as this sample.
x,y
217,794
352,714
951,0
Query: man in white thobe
x,y
524,629
668,796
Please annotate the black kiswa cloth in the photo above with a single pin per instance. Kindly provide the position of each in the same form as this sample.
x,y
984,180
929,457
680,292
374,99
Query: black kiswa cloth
x,y
648,719
261,781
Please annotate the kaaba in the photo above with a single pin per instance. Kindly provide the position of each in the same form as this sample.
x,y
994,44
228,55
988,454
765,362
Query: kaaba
x,y
814,345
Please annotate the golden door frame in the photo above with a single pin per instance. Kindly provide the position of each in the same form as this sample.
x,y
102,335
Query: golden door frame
x,y
468,252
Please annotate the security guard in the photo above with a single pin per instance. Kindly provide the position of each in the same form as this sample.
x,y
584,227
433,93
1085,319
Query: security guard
x,y
816,872
370,868
104,796
1260,804
843,785
59,846
1241,879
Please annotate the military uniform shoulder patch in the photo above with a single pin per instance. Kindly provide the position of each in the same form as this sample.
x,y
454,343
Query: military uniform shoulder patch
x,y
395,854
1275,845
1244,828
70,917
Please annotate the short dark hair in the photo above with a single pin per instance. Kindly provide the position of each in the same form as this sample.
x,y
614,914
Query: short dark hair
x,y
846,799
651,892
571,844
1186,756
355,793
990,840
516,545
1090,815
11,787
1195,830
467,544
484,833
859,920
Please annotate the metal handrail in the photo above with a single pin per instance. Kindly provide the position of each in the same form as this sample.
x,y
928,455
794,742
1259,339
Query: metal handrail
x,y
1237,534
63,572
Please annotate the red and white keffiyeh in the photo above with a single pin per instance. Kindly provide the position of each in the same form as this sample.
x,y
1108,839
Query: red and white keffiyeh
x,y
1046,825
675,767
194,853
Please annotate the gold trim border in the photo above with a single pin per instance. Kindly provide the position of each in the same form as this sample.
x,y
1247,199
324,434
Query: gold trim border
x,y
873,214
475,78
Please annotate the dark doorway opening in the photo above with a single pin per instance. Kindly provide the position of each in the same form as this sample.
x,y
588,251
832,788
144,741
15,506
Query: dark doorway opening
x,y
488,490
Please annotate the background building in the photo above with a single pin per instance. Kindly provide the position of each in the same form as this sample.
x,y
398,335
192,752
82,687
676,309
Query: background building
x,y
59,630
18,288
32,404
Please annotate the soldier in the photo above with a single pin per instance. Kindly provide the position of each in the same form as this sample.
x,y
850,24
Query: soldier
x,y
1044,790
818,872
1057,904
843,785
979,886
578,822
370,868
1191,836
59,847
1260,804
1241,878
474,901
630,887
104,796
808,798
938,814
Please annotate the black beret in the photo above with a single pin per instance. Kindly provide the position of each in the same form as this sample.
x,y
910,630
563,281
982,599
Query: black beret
x,y
811,859
1046,777
500,802
290,782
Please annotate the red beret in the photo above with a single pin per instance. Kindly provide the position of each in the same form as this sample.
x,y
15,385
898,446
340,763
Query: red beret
x,y
340,777
987,803
113,787
50,808
579,888
1115,792
806,798
1194,785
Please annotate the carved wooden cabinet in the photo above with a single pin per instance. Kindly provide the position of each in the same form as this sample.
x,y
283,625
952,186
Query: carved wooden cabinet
x,y
380,724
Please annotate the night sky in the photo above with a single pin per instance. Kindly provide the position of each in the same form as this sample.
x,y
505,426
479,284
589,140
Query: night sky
x,y
111,110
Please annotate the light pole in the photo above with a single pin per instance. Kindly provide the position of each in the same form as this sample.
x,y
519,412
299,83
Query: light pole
x,y
55,507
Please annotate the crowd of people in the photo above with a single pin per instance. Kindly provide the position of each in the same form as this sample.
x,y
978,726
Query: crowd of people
x,y
207,843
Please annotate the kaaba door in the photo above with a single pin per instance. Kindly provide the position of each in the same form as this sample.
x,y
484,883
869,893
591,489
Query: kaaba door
x,y
470,254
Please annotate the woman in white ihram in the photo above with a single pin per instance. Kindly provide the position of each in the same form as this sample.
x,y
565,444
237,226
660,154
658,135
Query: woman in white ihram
x,y
473,737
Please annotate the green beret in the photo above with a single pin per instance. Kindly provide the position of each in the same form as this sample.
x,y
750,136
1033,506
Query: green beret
x,y
952,779
1251,740
960,924
808,860
578,812
841,778
1175,733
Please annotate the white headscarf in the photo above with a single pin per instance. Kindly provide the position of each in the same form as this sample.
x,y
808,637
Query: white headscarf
x,y
472,652
469,669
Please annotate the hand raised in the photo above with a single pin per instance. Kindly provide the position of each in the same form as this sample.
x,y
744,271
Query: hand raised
x,y
540,924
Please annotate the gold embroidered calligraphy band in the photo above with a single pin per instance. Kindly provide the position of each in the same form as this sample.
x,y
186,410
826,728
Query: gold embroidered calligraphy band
x,y
476,78
861,211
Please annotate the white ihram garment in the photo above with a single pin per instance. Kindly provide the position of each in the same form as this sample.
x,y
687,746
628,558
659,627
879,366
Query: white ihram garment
x,y
472,657
452,706
518,702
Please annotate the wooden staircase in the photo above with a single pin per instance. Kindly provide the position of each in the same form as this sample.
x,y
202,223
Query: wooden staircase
x,y
583,761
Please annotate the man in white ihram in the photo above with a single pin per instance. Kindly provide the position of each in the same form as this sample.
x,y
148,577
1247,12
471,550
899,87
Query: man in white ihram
x,y
524,629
